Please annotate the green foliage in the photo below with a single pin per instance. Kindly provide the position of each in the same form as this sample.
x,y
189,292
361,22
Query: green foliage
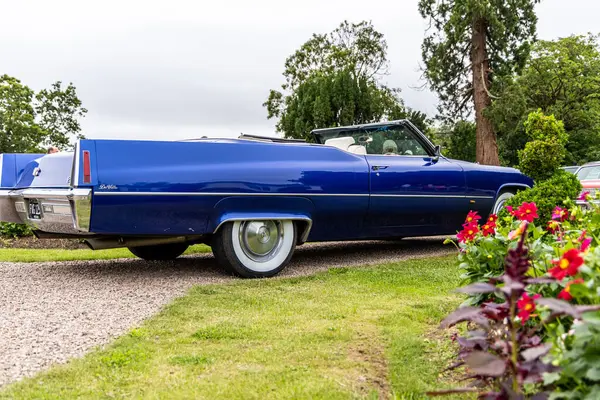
x,y
8,229
333,80
457,140
543,156
30,121
510,28
561,79
544,127
562,186
580,361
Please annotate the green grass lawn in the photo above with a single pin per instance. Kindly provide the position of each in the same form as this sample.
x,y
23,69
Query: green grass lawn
x,y
40,255
342,334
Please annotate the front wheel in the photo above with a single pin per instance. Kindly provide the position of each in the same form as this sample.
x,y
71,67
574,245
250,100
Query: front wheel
x,y
500,201
255,248
168,251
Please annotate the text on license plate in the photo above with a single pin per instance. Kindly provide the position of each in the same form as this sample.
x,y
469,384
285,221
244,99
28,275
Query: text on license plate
x,y
35,210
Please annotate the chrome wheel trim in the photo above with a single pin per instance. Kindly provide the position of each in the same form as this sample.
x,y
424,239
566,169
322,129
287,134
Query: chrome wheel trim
x,y
274,258
261,240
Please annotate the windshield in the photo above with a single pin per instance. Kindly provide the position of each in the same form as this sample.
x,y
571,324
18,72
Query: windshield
x,y
571,169
587,173
382,140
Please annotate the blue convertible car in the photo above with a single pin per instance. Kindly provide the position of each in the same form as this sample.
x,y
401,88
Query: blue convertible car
x,y
252,199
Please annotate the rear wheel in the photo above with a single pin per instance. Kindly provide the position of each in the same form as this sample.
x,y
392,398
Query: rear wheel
x,y
168,251
255,248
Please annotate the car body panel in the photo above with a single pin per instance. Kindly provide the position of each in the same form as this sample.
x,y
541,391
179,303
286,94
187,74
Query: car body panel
x,y
190,188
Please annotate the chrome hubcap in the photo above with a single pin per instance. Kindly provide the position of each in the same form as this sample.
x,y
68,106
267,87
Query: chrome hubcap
x,y
261,240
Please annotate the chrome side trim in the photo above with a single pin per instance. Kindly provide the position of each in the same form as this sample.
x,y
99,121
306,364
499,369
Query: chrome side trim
x,y
449,196
100,193
303,237
224,194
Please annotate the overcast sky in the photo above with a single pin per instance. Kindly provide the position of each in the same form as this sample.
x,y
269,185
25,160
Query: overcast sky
x,y
179,69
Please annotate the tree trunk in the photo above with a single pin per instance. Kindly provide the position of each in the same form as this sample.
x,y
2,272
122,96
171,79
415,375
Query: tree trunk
x,y
487,148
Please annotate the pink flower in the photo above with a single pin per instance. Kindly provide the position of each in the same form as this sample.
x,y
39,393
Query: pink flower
x,y
584,195
560,214
585,244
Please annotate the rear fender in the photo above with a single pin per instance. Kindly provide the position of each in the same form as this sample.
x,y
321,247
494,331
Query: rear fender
x,y
242,208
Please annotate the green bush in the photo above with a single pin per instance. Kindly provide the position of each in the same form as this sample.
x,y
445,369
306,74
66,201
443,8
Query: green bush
x,y
545,153
548,194
540,159
8,229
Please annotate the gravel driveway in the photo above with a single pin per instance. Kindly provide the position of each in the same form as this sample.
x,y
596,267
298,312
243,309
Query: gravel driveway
x,y
52,311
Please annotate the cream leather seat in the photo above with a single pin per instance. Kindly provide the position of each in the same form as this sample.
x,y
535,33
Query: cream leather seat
x,y
341,143
357,149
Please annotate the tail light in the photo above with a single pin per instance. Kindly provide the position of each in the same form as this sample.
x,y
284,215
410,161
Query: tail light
x,y
87,171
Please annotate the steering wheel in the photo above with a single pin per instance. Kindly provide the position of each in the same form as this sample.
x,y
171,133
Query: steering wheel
x,y
364,139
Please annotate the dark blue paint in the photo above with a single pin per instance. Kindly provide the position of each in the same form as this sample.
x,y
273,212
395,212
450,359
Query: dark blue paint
x,y
13,165
251,178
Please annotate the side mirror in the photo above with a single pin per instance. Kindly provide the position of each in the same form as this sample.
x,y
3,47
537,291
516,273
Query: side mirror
x,y
437,153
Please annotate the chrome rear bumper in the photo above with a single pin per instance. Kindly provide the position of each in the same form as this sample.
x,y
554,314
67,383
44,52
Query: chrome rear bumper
x,y
61,210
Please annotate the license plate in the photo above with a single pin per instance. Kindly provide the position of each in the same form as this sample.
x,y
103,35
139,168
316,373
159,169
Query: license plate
x,y
35,210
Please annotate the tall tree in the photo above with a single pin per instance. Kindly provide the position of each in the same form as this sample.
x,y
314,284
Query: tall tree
x,y
562,78
58,111
334,80
30,121
472,42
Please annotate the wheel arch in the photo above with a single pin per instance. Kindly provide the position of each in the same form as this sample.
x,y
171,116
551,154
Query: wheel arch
x,y
303,221
243,208
511,187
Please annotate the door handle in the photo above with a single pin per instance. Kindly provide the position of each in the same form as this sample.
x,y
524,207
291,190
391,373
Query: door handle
x,y
378,167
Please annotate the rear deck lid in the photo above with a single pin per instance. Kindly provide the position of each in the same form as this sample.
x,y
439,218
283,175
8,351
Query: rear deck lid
x,y
48,171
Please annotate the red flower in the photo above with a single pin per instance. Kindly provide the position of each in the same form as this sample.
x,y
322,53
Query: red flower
x,y
527,212
552,226
568,265
565,294
488,229
526,306
493,218
560,214
468,233
472,216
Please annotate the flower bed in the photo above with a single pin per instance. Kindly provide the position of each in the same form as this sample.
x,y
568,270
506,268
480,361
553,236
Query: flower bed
x,y
533,303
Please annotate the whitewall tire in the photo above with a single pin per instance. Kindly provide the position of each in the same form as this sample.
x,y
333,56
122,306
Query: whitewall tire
x,y
255,248
501,201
